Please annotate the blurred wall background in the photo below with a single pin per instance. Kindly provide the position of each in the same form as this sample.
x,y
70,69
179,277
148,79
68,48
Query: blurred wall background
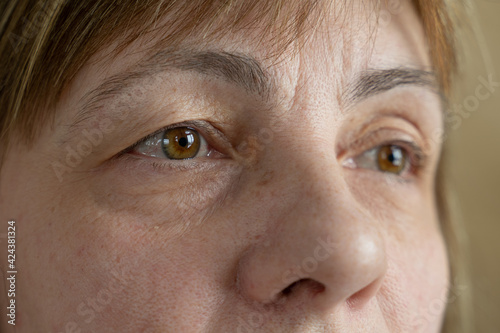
x,y
475,162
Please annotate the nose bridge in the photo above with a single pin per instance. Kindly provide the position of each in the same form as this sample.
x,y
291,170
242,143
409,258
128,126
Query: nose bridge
x,y
315,195
317,201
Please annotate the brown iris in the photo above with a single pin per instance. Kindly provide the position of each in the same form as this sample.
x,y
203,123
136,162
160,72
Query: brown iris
x,y
181,143
391,159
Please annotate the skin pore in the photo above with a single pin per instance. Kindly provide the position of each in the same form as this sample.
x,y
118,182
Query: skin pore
x,y
283,222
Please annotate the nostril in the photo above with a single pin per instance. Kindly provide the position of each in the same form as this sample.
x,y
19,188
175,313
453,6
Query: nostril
x,y
311,286
358,299
288,290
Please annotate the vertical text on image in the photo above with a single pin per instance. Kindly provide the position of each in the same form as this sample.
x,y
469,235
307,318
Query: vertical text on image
x,y
11,272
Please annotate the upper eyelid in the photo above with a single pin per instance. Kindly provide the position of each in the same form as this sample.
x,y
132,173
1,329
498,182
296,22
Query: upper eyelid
x,y
376,136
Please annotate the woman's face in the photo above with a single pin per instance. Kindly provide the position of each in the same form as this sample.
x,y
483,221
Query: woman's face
x,y
306,205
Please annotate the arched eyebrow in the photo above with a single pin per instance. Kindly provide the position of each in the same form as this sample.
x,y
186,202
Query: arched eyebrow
x,y
376,81
241,70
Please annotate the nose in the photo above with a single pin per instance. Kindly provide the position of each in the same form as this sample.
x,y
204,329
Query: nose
x,y
323,249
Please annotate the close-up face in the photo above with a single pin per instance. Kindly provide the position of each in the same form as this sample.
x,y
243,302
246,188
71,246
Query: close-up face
x,y
228,184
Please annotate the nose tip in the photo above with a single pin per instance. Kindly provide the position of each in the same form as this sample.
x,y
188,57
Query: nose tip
x,y
324,273
355,277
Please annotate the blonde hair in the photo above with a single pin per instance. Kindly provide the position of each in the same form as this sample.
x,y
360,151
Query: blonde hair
x,y
44,43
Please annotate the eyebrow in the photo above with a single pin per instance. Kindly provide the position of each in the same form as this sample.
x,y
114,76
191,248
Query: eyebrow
x,y
376,81
244,71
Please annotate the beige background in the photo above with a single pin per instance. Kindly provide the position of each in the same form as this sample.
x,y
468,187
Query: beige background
x,y
475,164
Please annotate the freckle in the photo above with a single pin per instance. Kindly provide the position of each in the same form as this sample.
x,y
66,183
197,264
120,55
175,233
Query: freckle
x,y
80,251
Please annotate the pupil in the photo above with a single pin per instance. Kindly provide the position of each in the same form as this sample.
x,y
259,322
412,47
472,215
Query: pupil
x,y
183,142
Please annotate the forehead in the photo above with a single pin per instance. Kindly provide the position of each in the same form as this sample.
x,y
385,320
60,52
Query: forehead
x,y
350,35
317,37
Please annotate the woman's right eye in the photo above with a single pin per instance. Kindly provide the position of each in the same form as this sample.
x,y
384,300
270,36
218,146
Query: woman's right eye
x,y
175,143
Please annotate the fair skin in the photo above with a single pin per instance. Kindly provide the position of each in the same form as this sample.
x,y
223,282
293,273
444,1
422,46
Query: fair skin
x,y
288,225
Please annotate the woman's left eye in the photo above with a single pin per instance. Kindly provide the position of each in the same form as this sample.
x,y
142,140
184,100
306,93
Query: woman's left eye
x,y
388,158
177,143
391,158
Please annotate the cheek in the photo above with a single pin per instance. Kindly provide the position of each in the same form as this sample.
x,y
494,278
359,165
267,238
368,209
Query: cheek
x,y
414,293
106,259
433,286
110,273
170,284
104,268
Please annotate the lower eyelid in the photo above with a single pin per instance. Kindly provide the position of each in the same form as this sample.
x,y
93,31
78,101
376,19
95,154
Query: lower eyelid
x,y
156,165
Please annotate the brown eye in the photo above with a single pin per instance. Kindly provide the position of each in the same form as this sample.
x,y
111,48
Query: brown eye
x,y
181,143
391,159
